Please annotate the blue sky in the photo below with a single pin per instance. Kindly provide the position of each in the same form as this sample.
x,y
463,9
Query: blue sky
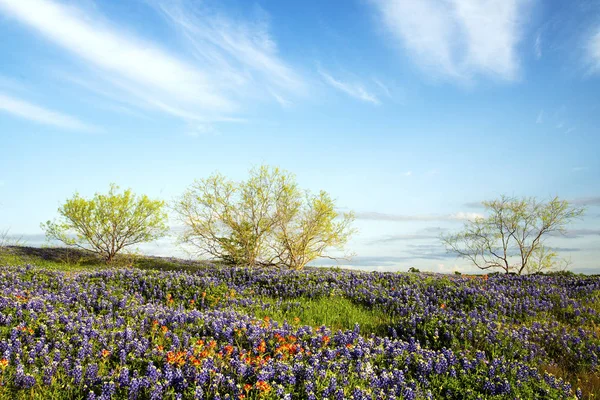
x,y
406,112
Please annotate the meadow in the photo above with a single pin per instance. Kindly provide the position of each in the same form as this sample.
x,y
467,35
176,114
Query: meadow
x,y
174,330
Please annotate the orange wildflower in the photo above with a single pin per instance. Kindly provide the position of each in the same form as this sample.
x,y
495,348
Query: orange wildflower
x,y
443,306
195,361
263,386
262,347
164,329
176,358
105,353
3,364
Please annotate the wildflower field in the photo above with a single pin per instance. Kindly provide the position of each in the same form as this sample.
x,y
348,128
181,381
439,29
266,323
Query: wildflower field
x,y
235,333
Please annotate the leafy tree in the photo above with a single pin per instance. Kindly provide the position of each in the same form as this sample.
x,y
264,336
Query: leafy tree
x,y
108,223
263,221
304,230
512,237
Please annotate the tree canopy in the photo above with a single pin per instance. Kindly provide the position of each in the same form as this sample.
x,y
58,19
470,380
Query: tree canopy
x,y
108,223
513,235
263,221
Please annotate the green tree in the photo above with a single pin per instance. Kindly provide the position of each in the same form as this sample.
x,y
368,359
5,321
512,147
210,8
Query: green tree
x,y
512,237
263,221
304,230
108,223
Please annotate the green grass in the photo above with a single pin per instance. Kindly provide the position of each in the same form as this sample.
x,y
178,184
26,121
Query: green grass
x,y
335,312
10,258
73,260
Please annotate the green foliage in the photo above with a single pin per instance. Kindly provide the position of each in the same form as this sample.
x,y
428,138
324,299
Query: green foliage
x,y
108,224
263,221
511,237
335,312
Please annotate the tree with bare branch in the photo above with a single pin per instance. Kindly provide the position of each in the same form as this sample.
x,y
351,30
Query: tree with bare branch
x,y
263,221
512,237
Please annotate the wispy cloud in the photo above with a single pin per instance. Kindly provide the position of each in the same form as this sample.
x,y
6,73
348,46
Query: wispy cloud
x,y
232,59
593,52
352,89
377,216
23,109
407,173
458,38
537,47
540,117
233,45
138,65
586,201
384,88
577,233
424,234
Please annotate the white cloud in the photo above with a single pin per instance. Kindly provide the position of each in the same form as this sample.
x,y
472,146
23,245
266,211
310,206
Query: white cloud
x,y
383,87
407,173
355,90
540,117
128,58
458,38
235,46
280,99
377,216
32,112
462,216
538,46
200,129
231,61
593,50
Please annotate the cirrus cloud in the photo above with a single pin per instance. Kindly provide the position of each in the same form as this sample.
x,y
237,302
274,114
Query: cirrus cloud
x,y
458,39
